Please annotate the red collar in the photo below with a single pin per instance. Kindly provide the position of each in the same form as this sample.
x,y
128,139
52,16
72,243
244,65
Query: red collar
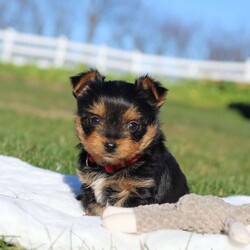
x,y
113,168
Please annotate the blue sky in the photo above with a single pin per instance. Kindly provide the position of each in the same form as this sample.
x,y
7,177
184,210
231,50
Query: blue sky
x,y
211,15
228,14
210,19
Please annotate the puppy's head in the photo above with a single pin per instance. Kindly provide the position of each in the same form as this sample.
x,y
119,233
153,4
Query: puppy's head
x,y
116,121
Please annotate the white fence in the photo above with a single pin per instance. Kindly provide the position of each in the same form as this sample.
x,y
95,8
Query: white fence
x,y
22,48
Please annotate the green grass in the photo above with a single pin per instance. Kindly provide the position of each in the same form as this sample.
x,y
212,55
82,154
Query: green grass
x,y
8,246
210,140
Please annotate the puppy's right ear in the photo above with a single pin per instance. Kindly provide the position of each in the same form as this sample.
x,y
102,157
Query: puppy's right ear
x,y
81,81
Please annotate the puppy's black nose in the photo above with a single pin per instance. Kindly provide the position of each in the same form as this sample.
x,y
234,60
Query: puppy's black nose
x,y
110,147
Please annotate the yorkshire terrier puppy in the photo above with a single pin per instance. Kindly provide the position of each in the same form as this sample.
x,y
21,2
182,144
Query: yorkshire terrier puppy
x,y
123,160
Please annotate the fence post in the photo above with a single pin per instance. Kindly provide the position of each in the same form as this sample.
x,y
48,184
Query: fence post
x,y
61,49
8,44
247,70
193,70
136,62
102,58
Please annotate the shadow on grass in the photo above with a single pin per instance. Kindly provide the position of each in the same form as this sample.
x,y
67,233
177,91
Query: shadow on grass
x,y
242,108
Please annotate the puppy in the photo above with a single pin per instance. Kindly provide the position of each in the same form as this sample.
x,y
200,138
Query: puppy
x,y
123,160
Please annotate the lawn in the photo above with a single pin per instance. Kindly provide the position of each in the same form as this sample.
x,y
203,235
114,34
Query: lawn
x,y
203,123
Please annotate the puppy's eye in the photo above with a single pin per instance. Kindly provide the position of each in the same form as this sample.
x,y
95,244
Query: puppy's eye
x,y
133,126
94,120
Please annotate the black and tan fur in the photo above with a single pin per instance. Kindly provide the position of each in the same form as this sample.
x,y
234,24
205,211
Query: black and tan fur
x,y
117,121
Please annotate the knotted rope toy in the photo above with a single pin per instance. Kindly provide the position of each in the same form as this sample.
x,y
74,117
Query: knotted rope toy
x,y
194,213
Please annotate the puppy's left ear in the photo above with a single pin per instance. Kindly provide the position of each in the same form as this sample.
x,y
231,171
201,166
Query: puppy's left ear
x,y
153,88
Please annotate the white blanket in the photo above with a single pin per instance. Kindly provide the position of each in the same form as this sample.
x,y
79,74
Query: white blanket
x,y
38,210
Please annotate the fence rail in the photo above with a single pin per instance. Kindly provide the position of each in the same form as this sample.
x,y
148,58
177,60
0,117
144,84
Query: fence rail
x,y
22,48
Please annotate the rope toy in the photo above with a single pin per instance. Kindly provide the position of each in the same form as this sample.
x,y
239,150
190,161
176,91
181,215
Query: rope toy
x,y
194,213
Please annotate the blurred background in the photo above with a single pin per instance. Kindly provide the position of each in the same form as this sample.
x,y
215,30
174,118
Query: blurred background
x,y
198,49
206,29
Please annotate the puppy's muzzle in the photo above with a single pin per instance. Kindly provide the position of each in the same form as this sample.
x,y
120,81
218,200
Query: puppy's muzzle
x,y
110,147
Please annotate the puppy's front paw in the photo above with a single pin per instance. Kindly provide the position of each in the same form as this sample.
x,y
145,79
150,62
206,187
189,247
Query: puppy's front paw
x,y
121,222
111,210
